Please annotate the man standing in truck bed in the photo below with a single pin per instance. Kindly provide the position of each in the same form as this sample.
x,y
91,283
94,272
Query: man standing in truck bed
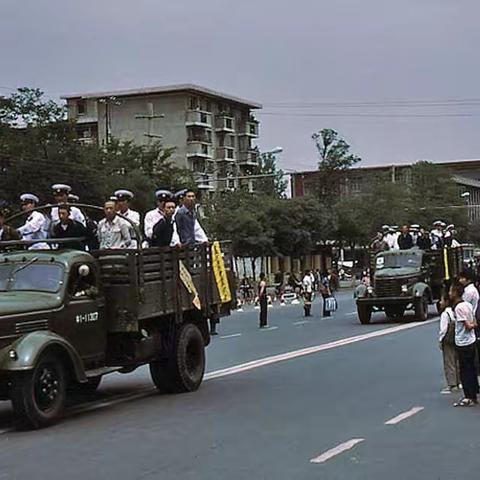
x,y
113,231
189,228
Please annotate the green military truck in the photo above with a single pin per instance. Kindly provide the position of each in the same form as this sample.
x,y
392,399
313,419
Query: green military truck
x,y
407,280
68,317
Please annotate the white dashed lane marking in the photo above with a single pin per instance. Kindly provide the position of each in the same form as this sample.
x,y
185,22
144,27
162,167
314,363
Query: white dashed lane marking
x,y
403,416
302,322
333,452
233,335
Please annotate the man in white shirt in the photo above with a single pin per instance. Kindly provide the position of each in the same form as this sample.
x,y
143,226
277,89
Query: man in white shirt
x,y
392,239
113,231
123,199
470,292
307,285
60,193
153,216
437,235
34,227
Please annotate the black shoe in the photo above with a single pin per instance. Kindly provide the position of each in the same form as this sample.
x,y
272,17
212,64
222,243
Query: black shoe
x,y
213,333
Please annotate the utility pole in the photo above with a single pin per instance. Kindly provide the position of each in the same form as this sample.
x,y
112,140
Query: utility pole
x,y
150,116
107,102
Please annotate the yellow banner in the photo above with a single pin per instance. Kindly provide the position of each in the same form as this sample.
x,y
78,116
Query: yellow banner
x,y
187,280
220,274
445,261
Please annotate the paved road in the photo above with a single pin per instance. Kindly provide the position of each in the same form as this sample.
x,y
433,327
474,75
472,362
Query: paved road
x,y
302,400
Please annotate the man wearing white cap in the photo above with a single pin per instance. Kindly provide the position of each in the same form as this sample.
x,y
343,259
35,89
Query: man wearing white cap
x,y
391,238
60,193
34,226
153,216
437,235
123,198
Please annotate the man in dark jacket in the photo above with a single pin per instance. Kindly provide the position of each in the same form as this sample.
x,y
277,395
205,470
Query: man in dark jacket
x,y
165,230
405,240
189,228
68,228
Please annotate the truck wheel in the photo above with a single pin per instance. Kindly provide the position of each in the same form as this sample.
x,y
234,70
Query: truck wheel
x,y
184,371
364,314
87,388
421,308
38,396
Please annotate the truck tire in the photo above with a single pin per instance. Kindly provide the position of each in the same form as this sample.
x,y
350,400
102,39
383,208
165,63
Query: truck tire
x,y
364,313
184,371
38,396
420,306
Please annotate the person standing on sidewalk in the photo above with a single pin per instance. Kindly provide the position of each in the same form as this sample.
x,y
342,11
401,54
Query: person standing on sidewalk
x,y
465,345
446,339
263,301
470,295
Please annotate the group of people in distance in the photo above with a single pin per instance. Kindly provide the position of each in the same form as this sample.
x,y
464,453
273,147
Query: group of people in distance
x,y
411,236
459,338
173,223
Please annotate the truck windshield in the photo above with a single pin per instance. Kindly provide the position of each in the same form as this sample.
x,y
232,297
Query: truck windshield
x,y
399,261
31,276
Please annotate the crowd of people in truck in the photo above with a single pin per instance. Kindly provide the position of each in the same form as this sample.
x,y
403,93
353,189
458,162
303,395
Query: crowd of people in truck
x,y
391,237
172,223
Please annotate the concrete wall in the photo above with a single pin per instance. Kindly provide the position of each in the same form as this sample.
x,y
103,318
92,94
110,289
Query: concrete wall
x,y
124,125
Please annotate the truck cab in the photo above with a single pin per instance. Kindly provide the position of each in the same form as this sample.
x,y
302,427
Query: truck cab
x,y
406,280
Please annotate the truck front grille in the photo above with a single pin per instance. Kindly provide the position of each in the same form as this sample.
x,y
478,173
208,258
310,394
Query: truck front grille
x,y
388,287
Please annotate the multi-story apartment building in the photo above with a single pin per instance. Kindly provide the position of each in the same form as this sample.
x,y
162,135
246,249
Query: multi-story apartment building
x,y
213,133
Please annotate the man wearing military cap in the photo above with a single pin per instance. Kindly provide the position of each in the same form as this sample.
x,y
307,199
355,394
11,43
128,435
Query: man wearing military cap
x,y
60,193
437,235
123,198
34,227
73,198
153,216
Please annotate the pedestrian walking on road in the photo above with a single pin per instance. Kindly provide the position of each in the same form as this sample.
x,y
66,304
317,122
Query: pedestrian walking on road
x,y
446,339
307,292
326,294
465,345
262,300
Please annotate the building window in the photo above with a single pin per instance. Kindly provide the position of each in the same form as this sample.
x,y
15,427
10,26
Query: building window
x,y
208,106
230,153
205,150
229,123
193,103
232,140
81,107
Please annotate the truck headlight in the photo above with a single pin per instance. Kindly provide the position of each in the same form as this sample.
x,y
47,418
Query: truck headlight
x,y
404,288
13,354
369,290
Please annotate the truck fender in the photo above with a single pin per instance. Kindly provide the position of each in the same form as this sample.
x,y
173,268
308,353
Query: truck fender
x,y
419,289
22,355
360,291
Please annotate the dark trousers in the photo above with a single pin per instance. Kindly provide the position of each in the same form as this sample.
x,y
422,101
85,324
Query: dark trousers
x,y
468,372
325,313
263,310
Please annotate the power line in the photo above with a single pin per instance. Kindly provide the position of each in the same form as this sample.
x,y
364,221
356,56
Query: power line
x,y
374,115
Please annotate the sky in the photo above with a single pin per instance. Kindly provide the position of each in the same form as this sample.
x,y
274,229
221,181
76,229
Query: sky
x,y
399,80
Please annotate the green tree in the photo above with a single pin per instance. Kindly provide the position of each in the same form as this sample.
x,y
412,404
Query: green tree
x,y
274,184
334,159
39,147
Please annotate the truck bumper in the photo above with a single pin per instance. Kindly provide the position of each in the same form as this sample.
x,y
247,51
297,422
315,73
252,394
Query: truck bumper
x,y
381,302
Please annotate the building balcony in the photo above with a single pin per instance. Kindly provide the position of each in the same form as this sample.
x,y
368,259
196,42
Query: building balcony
x,y
224,123
249,158
225,154
204,181
199,150
199,135
197,118
250,129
